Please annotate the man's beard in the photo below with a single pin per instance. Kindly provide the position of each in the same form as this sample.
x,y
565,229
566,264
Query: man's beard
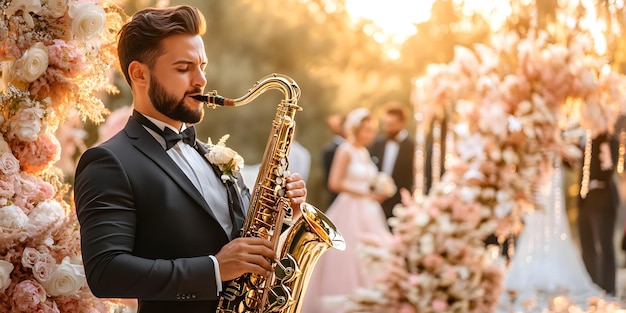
x,y
169,106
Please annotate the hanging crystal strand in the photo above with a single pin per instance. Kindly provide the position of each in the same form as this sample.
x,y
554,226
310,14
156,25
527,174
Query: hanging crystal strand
x,y
621,151
435,161
419,155
584,182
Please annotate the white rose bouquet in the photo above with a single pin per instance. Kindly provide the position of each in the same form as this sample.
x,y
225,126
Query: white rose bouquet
x,y
228,161
384,185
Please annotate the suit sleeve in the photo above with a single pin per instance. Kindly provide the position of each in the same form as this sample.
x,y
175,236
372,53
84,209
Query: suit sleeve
x,y
105,210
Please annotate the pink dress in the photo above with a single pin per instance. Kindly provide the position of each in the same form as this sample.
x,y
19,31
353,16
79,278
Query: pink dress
x,y
341,273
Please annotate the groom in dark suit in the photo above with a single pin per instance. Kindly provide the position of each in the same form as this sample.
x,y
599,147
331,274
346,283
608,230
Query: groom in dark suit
x,y
394,152
598,203
158,222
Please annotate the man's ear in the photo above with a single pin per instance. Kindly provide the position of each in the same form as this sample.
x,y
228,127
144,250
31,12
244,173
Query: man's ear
x,y
139,73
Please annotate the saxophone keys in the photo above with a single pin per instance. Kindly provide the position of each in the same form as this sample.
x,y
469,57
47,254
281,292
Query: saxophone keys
x,y
286,269
279,298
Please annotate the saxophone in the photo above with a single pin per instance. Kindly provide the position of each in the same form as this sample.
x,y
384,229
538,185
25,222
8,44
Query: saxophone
x,y
304,242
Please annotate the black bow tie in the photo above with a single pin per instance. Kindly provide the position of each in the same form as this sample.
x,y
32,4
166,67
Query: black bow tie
x,y
171,137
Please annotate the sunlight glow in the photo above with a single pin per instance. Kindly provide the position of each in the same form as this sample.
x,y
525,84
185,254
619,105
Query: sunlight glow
x,y
394,20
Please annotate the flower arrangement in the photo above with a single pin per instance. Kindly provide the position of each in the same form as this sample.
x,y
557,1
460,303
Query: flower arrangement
x,y
505,104
384,185
54,58
225,158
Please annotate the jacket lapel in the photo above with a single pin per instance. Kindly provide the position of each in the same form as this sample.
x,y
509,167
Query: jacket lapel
x,y
147,145
236,205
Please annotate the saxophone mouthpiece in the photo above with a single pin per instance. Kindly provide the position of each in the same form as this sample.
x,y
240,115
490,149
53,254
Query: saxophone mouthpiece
x,y
214,100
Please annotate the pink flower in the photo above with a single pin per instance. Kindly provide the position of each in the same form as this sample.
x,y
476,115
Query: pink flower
x,y
7,187
47,307
439,305
27,296
42,271
30,256
406,308
36,155
432,261
66,58
9,165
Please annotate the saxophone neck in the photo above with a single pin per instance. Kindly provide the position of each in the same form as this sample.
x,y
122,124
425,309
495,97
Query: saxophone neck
x,y
284,83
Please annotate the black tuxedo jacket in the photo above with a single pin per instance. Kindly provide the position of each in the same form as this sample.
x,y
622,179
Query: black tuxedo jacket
x,y
402,174
146,231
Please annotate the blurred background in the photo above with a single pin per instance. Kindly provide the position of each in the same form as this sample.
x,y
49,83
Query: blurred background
x,y
349,53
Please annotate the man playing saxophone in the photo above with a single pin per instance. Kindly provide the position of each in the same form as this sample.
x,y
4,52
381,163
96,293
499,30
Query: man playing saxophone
x,y
159,222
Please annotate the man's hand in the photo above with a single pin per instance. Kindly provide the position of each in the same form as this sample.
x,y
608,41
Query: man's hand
x,y
245,255
296,192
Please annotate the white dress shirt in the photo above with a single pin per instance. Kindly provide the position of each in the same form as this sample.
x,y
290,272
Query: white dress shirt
x,y
391,152
200,174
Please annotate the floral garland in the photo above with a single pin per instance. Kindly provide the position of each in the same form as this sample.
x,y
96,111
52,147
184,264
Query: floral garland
x,y
54,58
505,103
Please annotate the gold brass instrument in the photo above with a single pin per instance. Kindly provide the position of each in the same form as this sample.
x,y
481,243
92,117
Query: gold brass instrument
x,y
304,242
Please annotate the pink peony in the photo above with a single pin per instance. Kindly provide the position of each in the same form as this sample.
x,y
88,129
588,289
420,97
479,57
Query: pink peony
x,y
7,187
36,155
27,296
65,57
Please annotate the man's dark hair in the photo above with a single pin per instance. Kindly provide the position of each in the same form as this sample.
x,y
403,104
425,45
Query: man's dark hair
x,y
398,109
140,39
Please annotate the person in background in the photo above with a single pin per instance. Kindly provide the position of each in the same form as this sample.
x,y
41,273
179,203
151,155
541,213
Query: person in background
x,y
597,209
356,213
159,216
394,152
335,123
299,160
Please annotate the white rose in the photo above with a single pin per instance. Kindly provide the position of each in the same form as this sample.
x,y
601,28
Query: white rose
x,y
12,217
87,20
220,155
9,165
28,123
57,8
238,163
47,212
5,274
66,279
25,6
33,63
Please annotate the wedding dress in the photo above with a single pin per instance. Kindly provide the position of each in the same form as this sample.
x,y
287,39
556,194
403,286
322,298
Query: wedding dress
x,y
358,217
546,263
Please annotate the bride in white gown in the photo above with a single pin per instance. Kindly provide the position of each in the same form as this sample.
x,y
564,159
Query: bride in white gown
x,y
546,262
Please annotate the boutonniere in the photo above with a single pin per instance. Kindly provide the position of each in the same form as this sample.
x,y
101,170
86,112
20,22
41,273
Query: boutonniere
x,y
226,159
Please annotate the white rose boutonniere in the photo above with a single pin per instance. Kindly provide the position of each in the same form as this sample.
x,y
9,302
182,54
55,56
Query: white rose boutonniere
x,y
228,161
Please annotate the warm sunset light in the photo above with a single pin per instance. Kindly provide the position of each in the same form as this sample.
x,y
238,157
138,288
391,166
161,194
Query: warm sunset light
x,y
393,20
